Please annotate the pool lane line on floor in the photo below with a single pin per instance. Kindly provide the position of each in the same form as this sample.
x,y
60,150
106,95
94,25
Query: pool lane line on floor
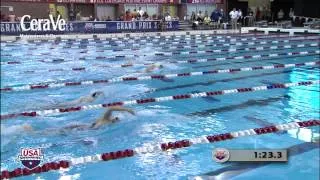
x,y
243,105
263,123
157,99
236,168
157,148
152,77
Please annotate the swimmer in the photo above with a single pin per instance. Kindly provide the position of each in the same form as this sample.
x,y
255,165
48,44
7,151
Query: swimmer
x,y
153,67
107,118
82,100
88,99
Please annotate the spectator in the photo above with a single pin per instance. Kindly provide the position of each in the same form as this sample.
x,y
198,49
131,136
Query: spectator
x,y
121,18
200,17
168,17
207,20
215,15
128,16
205,14
268,13
195,24
12,17
250,18
291,14
141,12
154,17
234,18
58,14
139,17
222,16
145,16
258,14
108,18
71,15
240,17
78,16
134,13
91,18
193,16
280,15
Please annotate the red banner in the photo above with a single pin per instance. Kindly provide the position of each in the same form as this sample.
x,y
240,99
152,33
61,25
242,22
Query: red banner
x,y
103,1
131,1
205,1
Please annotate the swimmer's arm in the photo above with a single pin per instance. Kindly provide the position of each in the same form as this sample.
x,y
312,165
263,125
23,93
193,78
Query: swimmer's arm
x,y
107,117
108,114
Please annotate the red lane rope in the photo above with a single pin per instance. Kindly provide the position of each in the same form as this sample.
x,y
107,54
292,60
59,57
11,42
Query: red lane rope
x,y
100,57
158,147
152,77
157,99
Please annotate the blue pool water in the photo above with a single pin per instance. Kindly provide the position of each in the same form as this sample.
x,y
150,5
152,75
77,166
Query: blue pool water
x,y
165,121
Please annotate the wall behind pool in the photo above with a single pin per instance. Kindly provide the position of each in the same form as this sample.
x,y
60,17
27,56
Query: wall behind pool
x,y
9,28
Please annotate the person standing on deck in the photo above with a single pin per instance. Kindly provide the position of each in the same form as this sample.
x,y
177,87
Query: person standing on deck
x,y
234,18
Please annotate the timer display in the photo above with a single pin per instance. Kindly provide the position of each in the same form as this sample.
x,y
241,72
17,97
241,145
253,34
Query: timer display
x,y
258,155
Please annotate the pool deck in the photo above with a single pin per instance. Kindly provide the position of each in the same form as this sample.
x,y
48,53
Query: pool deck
x,y
243,30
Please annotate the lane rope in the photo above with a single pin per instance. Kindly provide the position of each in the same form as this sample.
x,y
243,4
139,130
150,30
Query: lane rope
x,y
177,41
175,53
157,148
152,77
188,46
156,99
117,39
170,37
169,43
225,51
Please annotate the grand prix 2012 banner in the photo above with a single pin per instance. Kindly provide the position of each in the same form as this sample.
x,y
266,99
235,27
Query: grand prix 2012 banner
x,y
62,27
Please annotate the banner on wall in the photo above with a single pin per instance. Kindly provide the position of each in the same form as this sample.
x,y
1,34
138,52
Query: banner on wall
x,y
8,28
103,1
202,1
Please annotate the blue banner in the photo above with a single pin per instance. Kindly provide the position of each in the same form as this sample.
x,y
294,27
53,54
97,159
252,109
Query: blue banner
x,y
8,28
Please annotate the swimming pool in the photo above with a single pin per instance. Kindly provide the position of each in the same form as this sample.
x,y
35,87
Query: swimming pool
x,y
35,76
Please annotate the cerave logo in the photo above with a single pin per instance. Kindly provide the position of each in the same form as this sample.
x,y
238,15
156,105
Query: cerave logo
x,y
42,24
30,157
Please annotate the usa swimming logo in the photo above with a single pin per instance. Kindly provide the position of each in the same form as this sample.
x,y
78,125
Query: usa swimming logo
x,y
30,157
